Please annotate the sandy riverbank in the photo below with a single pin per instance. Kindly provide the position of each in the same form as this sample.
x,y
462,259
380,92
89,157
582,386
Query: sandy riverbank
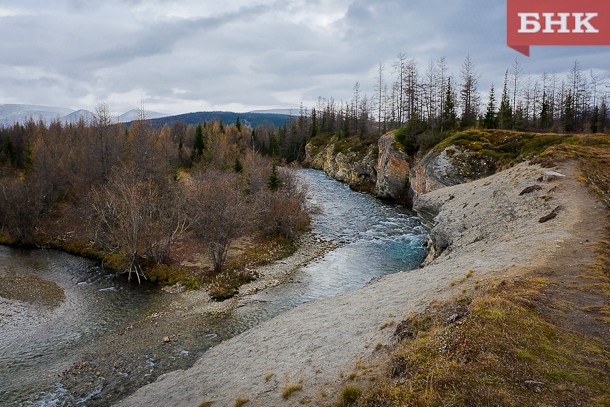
x,y
169,338
490,228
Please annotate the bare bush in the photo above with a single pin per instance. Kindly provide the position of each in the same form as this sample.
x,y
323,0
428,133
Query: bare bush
x,y
20,208
137,217
283,212
220,212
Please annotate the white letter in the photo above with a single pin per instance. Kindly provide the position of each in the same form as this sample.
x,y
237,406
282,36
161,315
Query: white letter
x,y
529,26
579,23
562,22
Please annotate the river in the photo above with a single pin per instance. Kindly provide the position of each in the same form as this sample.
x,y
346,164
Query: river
x,y
38,340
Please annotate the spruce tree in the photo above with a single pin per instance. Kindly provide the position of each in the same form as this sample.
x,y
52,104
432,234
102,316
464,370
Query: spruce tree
x,y
505,113
274,182
449,119
568,113
314,123
238,166
198,144
546,121
490,121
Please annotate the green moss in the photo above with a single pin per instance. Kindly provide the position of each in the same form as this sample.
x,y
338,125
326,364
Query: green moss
x,y
504,147
271,249
164,274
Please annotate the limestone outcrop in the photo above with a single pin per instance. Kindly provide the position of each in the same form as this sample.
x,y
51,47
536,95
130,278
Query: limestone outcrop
x,y
356,168
392,171
389,173
452,165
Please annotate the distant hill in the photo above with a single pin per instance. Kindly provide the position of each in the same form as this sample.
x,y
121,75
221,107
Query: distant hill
x,y
12,113
251,118
74,117
288,112
134,114
21,113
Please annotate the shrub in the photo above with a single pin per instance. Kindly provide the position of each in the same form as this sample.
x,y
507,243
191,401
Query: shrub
x,y
349,396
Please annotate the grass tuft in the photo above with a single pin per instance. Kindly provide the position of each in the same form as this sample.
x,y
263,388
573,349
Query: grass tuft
x,y
241,401
290,389
349,396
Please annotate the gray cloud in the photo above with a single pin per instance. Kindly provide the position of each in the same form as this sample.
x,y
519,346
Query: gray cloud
x,y
191,55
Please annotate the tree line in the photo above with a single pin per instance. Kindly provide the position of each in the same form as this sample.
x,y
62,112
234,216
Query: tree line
x,y
133,191
428,102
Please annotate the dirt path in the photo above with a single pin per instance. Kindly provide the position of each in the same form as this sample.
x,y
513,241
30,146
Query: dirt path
x,y
492,231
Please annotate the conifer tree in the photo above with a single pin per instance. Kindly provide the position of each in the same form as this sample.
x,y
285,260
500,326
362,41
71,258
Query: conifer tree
x,y
274,182
198,144
449,119
505,112
546,121
568,112
490,121
314,123
238,166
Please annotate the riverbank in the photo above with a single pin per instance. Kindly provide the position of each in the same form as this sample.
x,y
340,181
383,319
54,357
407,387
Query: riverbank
x,y
493,230
132,357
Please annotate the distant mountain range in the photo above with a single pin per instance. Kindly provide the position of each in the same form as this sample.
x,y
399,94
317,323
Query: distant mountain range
x,y
20,113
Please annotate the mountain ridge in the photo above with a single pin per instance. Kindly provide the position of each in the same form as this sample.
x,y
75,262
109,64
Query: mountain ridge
x,y
21,113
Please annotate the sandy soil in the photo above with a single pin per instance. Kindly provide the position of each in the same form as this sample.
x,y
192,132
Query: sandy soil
x,y
491,231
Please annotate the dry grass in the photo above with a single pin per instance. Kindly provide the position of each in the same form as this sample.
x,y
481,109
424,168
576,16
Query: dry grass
x,y
290,389
521,343
241,401
505,352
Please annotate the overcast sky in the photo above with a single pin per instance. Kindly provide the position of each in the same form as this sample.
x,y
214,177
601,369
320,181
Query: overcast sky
x,y
178,56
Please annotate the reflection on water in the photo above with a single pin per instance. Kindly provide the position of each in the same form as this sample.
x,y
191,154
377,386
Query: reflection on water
x,y
36,344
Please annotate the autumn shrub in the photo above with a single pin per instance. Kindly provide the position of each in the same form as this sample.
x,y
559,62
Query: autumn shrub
x,y
21,206
282,211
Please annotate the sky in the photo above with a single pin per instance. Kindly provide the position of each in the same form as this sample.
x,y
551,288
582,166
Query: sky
x,y
179,56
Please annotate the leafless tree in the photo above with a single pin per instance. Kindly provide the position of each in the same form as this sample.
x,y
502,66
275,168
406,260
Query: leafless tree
x,y
133,215
220,212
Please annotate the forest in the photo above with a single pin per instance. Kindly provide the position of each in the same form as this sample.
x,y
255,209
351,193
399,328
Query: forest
x,y
429,104
128,193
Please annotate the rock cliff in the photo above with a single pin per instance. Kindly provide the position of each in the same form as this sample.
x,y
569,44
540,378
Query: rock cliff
x,y
354,166
392,171
389,173
451,165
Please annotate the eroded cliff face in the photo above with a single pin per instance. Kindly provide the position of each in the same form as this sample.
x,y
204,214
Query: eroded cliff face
x,y
393,167
452,165
389,173
356,168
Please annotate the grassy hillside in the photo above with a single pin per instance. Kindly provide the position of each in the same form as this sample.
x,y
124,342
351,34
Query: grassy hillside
x,y
543,340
